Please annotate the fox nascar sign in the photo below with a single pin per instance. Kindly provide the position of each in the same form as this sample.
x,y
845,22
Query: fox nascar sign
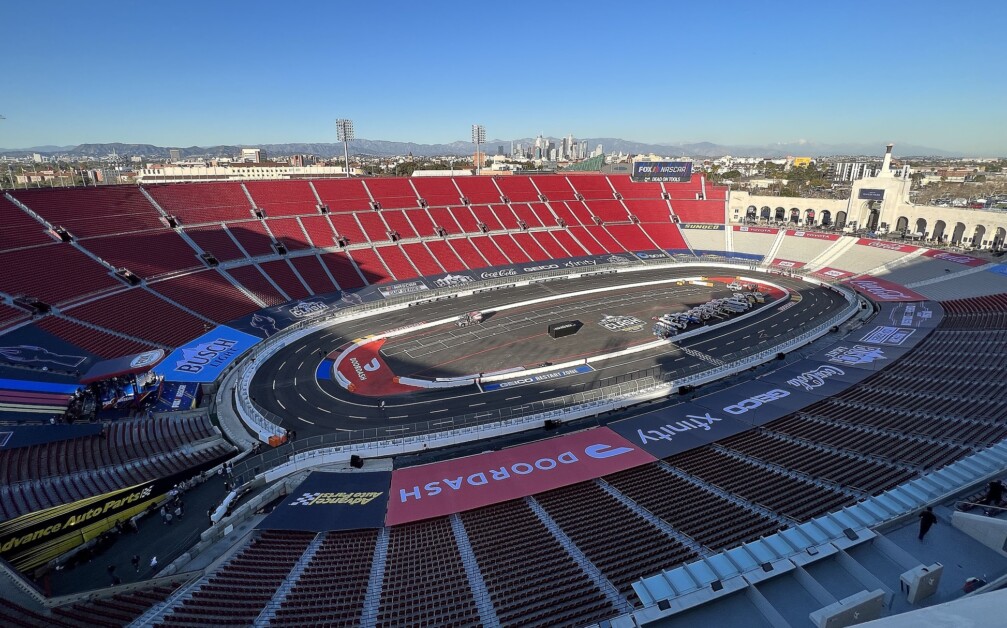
x,y
662,171
206,357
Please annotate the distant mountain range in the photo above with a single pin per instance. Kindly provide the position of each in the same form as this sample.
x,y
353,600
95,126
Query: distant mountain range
x,y
383,148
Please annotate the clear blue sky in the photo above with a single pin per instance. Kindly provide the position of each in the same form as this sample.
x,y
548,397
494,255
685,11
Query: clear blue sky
x,y
184,73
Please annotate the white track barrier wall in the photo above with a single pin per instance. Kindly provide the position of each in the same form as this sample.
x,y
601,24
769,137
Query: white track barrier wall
x,y
622,396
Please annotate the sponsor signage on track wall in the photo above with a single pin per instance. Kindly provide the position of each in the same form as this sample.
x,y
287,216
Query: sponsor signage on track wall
x,y
333,501
879,289
860,355
812,235
954,258
886,245
662,171
679,428
832,273
452,486
700,226
786,263
748,229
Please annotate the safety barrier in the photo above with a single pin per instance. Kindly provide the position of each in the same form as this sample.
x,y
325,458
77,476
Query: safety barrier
x,y
625,390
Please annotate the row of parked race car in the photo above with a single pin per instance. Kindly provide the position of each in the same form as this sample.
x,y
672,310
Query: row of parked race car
x,y
672,324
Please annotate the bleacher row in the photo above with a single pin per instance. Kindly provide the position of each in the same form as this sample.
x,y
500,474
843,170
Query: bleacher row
x,y
111,612
423,227
831,454
127,453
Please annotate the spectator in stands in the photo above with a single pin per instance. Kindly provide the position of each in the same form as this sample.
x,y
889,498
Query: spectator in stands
x,y
136,562
168,517
153,562
994,493
927,520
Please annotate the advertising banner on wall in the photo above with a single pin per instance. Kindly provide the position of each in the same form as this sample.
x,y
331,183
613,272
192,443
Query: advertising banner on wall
x,y
813,235
860,355
878,289
954,258
869,194
753,229
678,428
700,226
662,171
886,245
452,486
787,263
36,538
205,358
333,501
816,378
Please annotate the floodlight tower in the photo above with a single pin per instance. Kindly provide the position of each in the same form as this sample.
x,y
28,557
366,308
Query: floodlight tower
x,y
344,133
478,137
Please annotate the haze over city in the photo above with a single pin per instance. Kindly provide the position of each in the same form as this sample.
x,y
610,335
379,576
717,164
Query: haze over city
x,y
760,74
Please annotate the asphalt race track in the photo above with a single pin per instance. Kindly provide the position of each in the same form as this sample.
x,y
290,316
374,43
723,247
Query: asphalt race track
x,y
286,384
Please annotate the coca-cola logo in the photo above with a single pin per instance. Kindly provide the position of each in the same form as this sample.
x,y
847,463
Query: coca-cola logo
x,y
493,274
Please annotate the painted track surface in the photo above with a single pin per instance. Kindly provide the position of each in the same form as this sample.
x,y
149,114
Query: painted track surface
x,y
286,384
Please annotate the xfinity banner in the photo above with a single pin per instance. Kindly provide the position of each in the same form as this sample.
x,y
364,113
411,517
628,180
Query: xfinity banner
x,y
206,357
675,429
662,171
333,501
444,488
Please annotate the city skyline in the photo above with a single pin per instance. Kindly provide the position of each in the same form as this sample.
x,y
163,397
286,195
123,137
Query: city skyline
x,y
735,74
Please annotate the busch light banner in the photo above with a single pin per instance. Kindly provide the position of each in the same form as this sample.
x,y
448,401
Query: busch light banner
x,y
444,488
867,194
206,357
333,501
662,171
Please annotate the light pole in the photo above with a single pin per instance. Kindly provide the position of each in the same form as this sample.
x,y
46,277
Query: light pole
x,y
344,133
478,137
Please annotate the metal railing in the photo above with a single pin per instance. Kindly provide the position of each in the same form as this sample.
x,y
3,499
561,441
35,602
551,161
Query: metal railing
x,y
603,395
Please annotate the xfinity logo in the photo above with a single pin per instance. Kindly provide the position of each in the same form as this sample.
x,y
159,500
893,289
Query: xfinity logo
x,y
816,378
756,401
597,451
667,432
579,263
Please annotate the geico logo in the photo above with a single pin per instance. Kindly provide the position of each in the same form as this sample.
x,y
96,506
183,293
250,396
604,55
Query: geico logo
x,y
598,451
754,402
532,269
667,432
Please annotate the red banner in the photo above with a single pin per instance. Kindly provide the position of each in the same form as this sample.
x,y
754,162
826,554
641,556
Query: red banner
x,y
444,488
747,229
885,244
814,235
787,263
832,273
883,290
955,258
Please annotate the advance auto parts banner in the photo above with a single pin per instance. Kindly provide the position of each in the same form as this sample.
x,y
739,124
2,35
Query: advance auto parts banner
x,y
36,538
444,488
333,501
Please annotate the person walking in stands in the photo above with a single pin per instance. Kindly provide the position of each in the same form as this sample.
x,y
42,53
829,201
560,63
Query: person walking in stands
x,y
927,520
153,562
